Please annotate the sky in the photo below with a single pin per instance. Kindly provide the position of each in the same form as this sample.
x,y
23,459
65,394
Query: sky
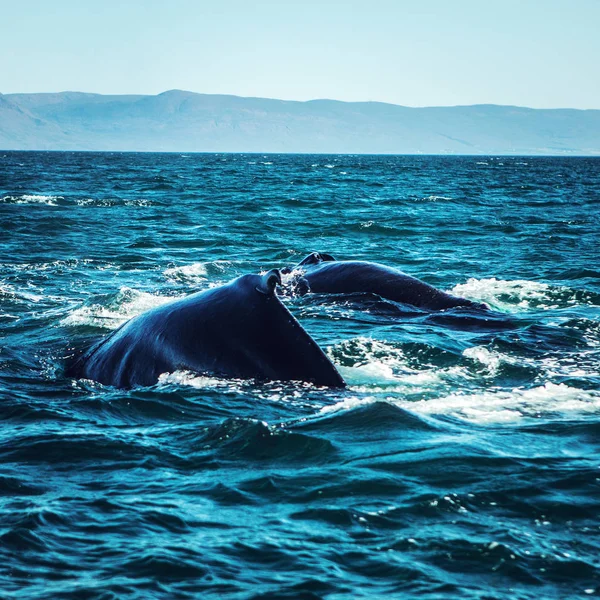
x,y
537,53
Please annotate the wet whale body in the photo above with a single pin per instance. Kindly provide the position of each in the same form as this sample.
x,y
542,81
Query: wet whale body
x,y
239,330
322,274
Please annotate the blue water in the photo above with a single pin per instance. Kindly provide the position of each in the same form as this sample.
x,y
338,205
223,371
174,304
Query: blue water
x,y
461,461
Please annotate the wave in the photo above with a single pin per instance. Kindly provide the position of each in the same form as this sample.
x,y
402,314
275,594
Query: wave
x,y
494,406
250,439
56,201
494,383
377,365
373,227
12,294
520,294
365,415
579,273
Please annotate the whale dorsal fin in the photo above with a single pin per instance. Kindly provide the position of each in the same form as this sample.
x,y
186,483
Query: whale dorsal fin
x,y
269,281
314,258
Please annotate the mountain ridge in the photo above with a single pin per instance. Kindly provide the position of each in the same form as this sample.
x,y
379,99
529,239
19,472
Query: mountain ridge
x,y
179,120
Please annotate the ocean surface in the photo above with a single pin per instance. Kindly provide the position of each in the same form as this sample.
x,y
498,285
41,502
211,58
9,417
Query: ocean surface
x,y
462,461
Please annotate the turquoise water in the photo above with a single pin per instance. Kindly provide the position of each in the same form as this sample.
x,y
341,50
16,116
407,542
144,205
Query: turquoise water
x,y
461,461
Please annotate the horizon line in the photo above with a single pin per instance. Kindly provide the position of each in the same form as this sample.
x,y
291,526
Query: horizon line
x,y
256,153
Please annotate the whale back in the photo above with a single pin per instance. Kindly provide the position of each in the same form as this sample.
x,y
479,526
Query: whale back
x,y
322,274
240,330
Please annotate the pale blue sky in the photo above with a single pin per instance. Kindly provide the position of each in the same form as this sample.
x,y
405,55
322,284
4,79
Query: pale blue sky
x,y
543,53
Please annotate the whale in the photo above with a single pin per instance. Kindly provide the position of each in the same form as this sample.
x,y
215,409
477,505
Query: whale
x,y
238,330
321,273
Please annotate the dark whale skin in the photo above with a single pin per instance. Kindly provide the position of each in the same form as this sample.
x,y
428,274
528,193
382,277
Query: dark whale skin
x,y
239,330
322,274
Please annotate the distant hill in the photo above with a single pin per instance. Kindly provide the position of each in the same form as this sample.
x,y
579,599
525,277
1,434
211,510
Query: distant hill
x,y
187,122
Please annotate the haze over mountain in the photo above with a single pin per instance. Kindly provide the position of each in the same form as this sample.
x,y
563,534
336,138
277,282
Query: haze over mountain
x,y
183,121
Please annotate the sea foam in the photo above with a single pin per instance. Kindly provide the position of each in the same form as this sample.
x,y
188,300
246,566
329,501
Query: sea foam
x,y
126,304
32,199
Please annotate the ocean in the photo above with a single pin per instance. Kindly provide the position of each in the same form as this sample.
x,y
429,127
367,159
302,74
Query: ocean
x,y
462,460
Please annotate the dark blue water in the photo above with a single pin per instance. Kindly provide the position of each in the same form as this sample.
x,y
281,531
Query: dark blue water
x,y
462,461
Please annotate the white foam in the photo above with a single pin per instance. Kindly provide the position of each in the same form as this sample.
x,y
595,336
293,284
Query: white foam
x,y
375,372
382,372
382,367
499,405
364,350
5,315
490,359
56,265
32,199
108,202
127,303
508,295
194,380
493,406
287,279
436,198
194,273
584,365
11,293
348,404
379,377
272,391
197,273
95,202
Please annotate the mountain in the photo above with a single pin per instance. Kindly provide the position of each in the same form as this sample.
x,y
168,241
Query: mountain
x,y
182,121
